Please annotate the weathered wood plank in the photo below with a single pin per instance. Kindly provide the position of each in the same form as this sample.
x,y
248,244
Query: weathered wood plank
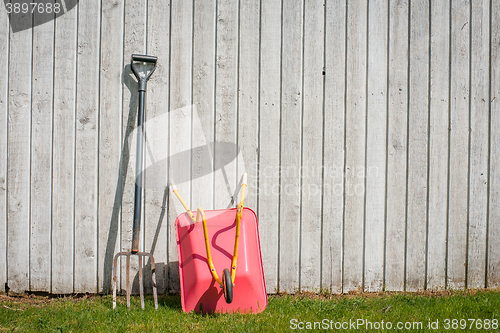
x,y
333,148
397,146
86,147
63,169
180,143
41,154
376,137
438,145
111,160
312,145
4,112
493,277
18,158
134,43
418,116
269,139
478,144
204,44
226,102
156,191
291,143
248,99
355,145
459,145
180,122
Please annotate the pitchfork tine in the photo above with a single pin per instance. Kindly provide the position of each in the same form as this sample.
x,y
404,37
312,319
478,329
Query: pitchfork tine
x,y
115,282
153,276
141,286
127,274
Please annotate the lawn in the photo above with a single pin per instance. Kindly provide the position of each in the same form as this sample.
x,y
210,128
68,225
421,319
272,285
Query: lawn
x,y
473,310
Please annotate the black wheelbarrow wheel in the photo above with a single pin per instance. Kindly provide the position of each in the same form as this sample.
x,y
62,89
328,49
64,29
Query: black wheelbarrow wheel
x,y
227,286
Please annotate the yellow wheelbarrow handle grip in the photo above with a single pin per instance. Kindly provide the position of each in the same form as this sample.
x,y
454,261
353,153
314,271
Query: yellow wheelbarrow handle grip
x,y
174,189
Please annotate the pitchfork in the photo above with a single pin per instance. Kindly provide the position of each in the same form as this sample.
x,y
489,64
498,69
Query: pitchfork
x,y
142,80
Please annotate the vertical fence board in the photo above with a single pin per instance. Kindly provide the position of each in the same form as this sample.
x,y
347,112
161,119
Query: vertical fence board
x,y
248,98
478,144
355,145
180,135
291,124
438,145
41,154
180,120
333,147
86,155
459,145
417,145
269,139
4,112
226,101
135,30
204,35
397,141
18,158
493,277
312,146
111,159
157,135
375,168
63,153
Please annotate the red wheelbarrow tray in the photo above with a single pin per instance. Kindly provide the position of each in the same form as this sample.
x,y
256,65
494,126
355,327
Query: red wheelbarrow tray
x,y
199,290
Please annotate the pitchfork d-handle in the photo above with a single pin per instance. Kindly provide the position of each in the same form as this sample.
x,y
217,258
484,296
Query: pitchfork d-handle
x,y
142,81
137,58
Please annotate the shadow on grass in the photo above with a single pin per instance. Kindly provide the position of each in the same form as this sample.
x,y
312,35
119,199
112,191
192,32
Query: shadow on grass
x,y
169,301
173,302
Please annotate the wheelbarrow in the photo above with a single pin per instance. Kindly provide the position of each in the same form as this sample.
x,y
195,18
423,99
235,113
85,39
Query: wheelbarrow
x,y
231,236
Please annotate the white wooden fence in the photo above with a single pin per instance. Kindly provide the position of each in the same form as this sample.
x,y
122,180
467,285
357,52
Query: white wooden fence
x,y
370,132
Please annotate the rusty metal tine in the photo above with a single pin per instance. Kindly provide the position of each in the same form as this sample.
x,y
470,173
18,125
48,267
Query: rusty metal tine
x,y
141,285
127,274
115,279
153,276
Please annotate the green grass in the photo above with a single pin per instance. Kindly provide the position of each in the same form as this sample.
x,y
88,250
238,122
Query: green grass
x,y
284,312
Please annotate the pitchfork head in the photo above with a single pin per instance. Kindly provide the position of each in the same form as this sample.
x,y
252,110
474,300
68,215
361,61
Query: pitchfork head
x,y
128,254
